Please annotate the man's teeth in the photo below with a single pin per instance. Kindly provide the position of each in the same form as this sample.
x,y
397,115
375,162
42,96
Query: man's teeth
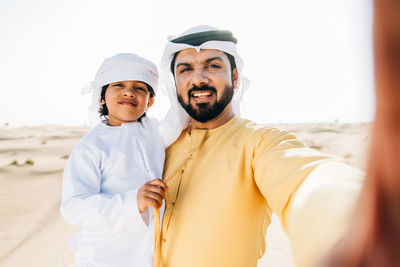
x,y
201,94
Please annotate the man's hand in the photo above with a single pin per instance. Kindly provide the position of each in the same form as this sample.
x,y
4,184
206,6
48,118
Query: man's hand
x,y
152,194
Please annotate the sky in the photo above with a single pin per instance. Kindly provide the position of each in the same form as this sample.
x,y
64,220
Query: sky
x,y
307,61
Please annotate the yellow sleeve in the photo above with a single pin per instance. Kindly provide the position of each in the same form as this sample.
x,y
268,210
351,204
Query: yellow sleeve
x,y
280,164
312,193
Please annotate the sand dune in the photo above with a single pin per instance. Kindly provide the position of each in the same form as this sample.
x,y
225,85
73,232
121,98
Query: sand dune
x,y
32,233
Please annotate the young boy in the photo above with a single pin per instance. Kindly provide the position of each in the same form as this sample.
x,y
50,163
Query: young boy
x,y
109,180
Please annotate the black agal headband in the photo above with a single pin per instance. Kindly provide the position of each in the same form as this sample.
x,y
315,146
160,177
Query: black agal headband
x,y
199,38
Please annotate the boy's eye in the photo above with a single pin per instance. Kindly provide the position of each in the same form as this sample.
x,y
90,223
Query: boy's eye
x,y
118,84
140,88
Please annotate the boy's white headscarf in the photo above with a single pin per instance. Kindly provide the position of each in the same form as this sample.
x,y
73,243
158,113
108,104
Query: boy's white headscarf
x,y
177,119
121,67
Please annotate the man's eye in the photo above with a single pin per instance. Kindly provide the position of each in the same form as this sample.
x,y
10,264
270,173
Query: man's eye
x,y
214,66
184,70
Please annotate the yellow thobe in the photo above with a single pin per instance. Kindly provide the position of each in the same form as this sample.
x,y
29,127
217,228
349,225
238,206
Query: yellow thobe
x,y
224,183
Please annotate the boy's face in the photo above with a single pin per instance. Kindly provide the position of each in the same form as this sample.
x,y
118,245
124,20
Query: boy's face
x,y
126,101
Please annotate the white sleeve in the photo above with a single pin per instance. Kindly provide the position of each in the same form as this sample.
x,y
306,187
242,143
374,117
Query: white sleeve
x,y
84,205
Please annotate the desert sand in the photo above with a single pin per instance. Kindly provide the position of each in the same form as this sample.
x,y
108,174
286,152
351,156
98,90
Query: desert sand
x,y
32,232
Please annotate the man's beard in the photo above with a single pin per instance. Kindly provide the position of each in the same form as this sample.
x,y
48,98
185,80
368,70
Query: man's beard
x,y
204,112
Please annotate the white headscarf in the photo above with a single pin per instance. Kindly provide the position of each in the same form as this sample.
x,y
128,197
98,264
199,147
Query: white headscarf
x,y
121,67
177,118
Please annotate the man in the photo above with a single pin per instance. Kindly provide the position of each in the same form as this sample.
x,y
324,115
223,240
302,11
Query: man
x,y
226,175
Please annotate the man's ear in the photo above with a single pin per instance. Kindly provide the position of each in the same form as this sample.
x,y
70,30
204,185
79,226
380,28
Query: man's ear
x,y
235,78
151,102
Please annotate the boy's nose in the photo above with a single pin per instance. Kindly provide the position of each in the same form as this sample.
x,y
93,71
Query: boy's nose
x,y
129,93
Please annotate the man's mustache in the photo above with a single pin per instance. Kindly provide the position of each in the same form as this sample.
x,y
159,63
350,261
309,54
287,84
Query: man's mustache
x,y
201,88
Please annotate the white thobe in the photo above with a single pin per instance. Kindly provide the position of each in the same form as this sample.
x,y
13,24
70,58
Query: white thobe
x,y
101,179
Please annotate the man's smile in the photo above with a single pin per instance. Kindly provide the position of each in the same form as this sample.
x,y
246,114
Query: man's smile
x,y
202,96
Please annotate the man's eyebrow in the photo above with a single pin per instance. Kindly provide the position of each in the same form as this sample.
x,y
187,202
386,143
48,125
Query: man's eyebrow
x,y
182,64
208,60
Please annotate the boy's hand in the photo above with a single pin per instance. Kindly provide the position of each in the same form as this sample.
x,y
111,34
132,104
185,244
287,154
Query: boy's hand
x,y
152,194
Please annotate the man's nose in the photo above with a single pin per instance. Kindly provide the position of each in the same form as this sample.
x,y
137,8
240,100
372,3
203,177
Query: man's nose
x,y
199,77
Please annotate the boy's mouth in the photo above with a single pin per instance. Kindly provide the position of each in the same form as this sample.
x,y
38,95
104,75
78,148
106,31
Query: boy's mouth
x,y
127,102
